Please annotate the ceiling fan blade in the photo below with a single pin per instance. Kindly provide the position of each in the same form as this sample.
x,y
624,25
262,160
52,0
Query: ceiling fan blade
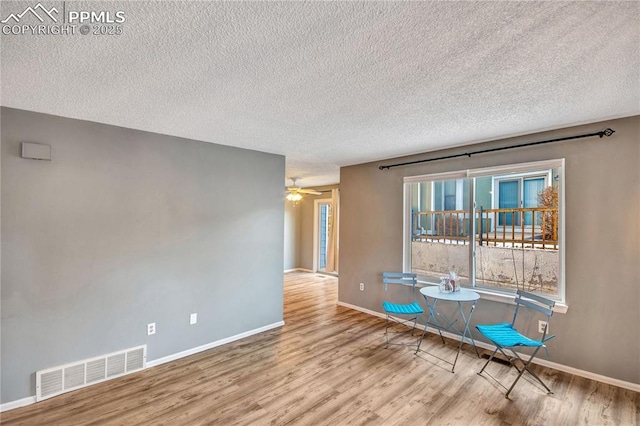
x,y
310,191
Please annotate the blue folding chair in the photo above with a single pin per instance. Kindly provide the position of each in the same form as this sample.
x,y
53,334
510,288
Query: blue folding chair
x,y
506,337
399,313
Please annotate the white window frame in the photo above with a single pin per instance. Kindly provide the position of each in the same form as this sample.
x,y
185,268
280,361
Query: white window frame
x,y
514,170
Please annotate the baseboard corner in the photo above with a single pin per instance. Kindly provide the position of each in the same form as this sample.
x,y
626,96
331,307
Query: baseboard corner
x,y
11,405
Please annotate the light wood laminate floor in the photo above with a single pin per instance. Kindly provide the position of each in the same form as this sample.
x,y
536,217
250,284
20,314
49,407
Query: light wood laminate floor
x,y
328,366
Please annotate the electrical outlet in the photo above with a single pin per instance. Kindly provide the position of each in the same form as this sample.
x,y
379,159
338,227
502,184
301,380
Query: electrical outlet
x,y
361,286
151,328
541,325
193,319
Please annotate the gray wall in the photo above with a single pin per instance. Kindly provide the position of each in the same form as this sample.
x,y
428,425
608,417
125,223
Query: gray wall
x,y
600,332
291,236
124,228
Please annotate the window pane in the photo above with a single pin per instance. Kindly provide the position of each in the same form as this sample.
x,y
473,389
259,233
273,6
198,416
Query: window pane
x,y
514,250
323,234
438,197
439,232
449,195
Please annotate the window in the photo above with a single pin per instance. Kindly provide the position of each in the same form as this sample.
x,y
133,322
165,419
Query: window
x,y
500,229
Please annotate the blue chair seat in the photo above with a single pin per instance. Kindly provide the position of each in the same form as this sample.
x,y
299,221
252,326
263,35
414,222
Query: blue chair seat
x,y
399,309
405,314
504,335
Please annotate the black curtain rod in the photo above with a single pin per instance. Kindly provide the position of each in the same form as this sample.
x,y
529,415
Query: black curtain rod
x,y
606,132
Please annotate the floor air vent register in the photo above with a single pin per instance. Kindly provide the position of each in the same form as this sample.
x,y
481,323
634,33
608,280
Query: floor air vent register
x,y
57,380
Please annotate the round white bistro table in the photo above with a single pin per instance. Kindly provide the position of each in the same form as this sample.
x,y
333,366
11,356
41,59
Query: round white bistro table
x,y
433,295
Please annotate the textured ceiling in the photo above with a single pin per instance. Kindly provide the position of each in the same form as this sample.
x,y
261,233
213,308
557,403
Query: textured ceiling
x,y
330,84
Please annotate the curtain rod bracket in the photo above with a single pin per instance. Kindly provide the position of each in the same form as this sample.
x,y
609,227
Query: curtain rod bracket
x,y
606,132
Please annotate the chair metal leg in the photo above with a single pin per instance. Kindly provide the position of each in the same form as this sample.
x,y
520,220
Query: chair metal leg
x,y
405,323
549,391
386,332
421,338
514,383
526,368
488,361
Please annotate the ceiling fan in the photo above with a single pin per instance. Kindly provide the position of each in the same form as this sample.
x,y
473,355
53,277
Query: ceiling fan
x,y
294,193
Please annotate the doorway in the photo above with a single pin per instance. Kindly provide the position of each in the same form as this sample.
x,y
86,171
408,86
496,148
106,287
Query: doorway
x,y
323,219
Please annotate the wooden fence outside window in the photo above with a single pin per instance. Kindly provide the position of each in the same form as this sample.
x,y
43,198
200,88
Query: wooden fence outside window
x,y
533,227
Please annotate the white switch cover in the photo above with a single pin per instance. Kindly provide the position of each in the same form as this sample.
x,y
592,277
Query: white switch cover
x,y
193,319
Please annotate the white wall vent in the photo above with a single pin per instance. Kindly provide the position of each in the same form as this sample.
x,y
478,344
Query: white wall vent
x,y
57,380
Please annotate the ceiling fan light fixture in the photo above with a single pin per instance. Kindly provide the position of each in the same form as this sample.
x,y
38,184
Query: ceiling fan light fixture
x,y
294,197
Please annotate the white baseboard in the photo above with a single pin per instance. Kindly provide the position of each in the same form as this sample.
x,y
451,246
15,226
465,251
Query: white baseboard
x,y
543,362
589,375
211,345
297,270
366,311
17,404
327,274
32,399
